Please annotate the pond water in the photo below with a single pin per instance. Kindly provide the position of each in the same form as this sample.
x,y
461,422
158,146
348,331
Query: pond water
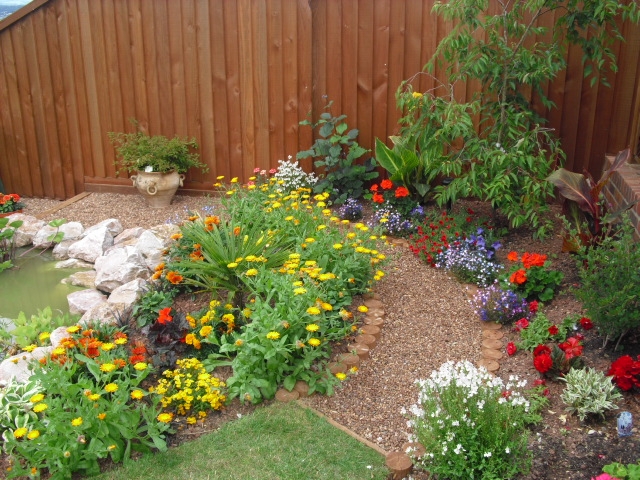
x,y
34,284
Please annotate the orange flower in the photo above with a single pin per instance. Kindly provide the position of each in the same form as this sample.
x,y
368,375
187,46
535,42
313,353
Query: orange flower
x,y
377,198
512,257
518,277
386,184
174,277
164,316
236,231
402,192
533,260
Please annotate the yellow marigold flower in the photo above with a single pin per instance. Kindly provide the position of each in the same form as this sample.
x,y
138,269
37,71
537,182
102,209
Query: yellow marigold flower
x,y
273,335
107,367
327,306
76,422
220,177
313,311
176,236
353,369
165,417
246,312
285,324
73,329
38,397
321,204
107,346
238,343
314,342
299,291
234,180
41,407
337,246
309,240
363,309
94,396
196,344
120,341
206,330
341,376
33,434
112,447
204,414
140,366
228,317
111,387
19,432
252,272
312,327
230,192
189,339
191,420
232,265
137,395
416,95
102,416
161,265
321,227
59,351
326,212
44,336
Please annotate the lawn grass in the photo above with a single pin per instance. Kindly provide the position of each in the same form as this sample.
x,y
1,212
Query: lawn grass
x,y
281,441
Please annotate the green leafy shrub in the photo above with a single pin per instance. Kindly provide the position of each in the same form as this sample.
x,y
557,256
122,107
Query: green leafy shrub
x,y
589,392
28,331
337,151
623,472
610,282
540,331
7,245
532,276
471,424
148,306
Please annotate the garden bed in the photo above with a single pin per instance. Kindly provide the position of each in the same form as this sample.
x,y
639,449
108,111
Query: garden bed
x,y
428,321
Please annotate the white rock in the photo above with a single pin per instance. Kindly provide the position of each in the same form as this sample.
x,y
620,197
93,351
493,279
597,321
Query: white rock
x,y
83,300
61,250
128,293
92,245
164,232
82,279
128,236
24,235
148,243
58,335
111,224
73,263
119,266
18,366
104,314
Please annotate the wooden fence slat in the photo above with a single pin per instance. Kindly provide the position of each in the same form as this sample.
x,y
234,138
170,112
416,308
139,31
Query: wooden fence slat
x,y
261,88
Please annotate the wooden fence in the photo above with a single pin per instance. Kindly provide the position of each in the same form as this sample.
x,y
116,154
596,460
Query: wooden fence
x,y
238,75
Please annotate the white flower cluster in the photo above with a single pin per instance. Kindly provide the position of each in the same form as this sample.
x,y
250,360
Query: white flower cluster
x,y
292,177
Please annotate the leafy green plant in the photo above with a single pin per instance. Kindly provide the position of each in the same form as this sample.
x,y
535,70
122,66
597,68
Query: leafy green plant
x,y
610,282
28,330
532,276
148,306
540,331
141,152
7,245
584,195
589,392
15,406
471,424
623,472
337,151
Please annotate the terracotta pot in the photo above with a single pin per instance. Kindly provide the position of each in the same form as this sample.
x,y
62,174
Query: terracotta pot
x,y
157,188
2,215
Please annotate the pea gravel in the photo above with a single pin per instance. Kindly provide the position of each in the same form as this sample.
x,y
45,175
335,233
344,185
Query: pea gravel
x,y
428,321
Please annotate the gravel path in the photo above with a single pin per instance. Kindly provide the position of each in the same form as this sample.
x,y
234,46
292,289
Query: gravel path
x,y
428,321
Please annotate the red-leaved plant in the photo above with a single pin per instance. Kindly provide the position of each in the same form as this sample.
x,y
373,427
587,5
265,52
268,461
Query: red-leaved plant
x,y
625,372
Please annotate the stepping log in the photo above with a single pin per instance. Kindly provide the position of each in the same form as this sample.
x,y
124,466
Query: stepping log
x,y
371,330
490,326
375,321
490,365
368,340
337,367
495,334
414,449
373,303
302,388
375,312
492,344
349,360
399,463
283,395
360,349
491,354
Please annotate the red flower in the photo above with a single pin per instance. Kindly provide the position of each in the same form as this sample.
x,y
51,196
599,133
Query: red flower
x,y
553,330
533,306
374,187
541,350
518,277
571,348
625,372
511,348
539,381
512,257
377,198
522,324
402,192
579,336
586,323
543,363
386,184
533,260
164,316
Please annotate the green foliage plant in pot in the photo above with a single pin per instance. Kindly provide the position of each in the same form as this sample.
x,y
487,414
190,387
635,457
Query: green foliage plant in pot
x,y
159,163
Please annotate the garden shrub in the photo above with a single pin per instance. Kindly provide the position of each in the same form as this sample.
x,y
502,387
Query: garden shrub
x,y
589,392
532,276
472,424
610,282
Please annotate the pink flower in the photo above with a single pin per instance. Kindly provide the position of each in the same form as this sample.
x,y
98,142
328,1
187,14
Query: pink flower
x,y
511,348
272,171
256,170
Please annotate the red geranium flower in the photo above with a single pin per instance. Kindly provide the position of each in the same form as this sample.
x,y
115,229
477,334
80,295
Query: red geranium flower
x,y
625,372
386,184
402,192
543,363
541,350
511,348
571,348
374,187
553,330
533,260
164,316
533,306
586,323
377,198
512,257
522,324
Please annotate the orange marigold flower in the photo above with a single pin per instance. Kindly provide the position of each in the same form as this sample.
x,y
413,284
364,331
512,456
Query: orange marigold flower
x,y
212,220
377,198
164,316
518,277
386,184
512,257
236,231
402,192
174,277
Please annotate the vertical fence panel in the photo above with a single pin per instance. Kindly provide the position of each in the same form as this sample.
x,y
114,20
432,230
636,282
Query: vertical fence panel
x,y
239,76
